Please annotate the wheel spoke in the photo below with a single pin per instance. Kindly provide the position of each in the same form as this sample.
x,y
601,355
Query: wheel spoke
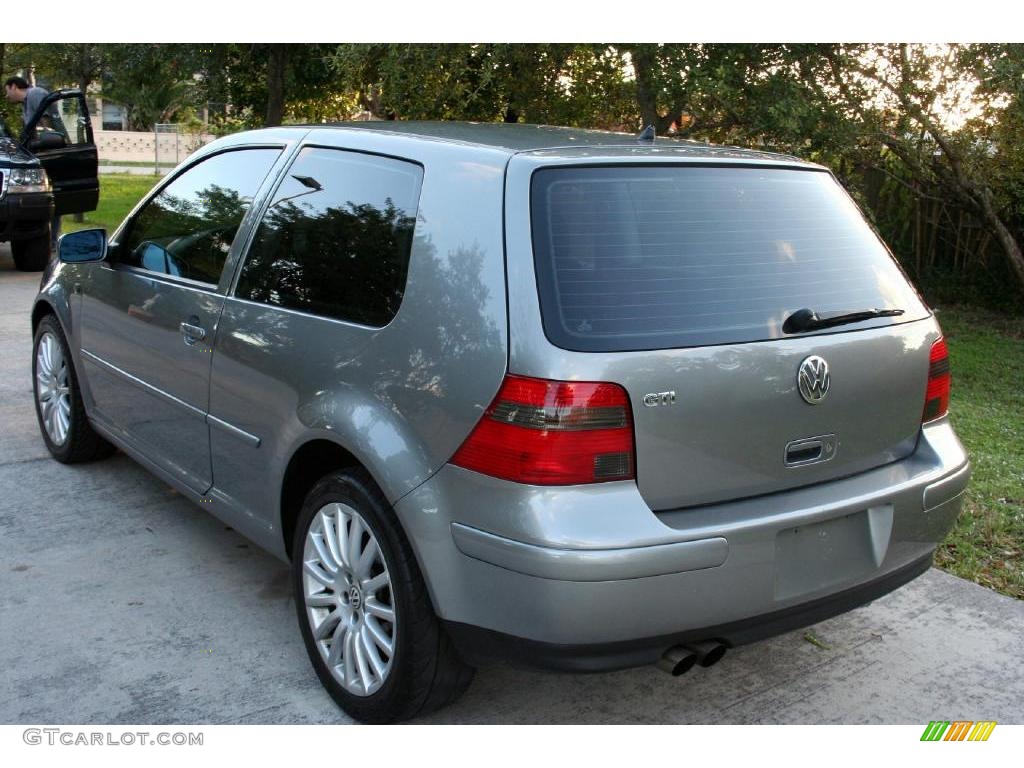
x,y
63,421
55,420
43,356
337,645
341,523
327,625
321,600
329,539
326,558
362,566
318,573
350,661
56,358
364,668
355,535
370,652
379,636
372,585
380,611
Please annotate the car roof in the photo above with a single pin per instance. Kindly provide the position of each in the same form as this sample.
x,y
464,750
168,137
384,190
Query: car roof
x,y
521,137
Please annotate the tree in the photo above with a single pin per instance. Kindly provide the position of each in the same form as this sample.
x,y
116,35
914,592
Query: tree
x,y
152,81
268,84
277,66
73,64
556,83
903,95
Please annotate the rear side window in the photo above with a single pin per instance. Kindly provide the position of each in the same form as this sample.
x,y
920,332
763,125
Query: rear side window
x,y
658,257
336,239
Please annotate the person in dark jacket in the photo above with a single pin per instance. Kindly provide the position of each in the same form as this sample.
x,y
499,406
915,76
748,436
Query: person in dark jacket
x,y
18,90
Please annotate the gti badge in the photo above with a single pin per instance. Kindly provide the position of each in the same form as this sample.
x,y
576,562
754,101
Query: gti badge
x,y
654,399
813,379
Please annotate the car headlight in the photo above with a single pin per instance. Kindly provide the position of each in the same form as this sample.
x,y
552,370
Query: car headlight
x,y
23,180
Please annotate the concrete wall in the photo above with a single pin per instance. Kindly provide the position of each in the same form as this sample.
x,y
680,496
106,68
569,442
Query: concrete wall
x,y
138,146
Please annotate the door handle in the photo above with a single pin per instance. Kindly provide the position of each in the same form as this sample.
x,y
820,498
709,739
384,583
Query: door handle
x,y
192,333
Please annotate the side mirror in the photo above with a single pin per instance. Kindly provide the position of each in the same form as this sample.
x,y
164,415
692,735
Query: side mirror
x,y
83,246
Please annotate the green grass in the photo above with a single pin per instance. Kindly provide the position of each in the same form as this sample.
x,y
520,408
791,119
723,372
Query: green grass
x,y
987,409
118,194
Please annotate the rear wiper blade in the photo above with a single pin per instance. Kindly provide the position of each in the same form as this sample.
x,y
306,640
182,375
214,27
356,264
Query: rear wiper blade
x,y
808,320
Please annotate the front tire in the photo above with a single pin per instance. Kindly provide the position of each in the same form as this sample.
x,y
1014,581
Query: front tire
x,y
31,255
66,430
363,608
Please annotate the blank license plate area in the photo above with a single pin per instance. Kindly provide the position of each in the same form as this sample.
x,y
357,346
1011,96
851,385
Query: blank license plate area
x,y
817,556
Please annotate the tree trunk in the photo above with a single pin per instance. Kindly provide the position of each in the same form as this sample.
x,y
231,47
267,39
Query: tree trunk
x,y
84,80
84,69
936,223
277,64
917,237
644,59
1005,237
646,99
956,249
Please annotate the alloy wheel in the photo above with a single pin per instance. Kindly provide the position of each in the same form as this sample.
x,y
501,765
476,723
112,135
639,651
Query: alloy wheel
x,y
53,390
349,599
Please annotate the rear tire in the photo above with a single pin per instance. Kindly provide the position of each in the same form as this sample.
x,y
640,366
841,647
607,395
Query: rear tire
x,y
406,665
66,430
31,255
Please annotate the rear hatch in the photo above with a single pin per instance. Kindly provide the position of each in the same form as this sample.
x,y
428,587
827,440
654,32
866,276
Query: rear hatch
x,y
680,278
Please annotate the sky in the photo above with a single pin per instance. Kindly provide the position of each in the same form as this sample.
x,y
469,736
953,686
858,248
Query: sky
x,y
530,21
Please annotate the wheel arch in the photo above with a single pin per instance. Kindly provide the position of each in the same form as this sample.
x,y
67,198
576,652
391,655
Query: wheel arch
x,y
41,309
310,462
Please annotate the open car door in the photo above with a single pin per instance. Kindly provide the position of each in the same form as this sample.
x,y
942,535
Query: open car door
x,y
60,135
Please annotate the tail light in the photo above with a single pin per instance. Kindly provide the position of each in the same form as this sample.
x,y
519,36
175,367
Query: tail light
x,y
553,433
936,399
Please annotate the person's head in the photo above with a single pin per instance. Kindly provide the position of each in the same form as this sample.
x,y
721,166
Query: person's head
x,y
16,88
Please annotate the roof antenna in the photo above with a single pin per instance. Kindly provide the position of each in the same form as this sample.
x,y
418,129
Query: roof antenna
x,y
646,135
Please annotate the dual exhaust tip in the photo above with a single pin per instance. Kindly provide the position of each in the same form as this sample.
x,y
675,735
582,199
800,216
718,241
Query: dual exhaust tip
x,y
680,659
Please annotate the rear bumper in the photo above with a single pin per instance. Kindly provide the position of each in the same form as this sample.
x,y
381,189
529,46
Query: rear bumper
x,y
478,645
564,570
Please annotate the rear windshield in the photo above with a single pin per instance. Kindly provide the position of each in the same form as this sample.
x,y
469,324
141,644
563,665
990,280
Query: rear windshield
x,y
654,257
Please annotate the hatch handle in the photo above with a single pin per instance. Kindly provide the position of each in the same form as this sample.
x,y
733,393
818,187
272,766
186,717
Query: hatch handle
x,y
810,450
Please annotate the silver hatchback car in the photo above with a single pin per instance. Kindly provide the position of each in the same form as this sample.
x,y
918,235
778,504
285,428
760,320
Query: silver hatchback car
x,y
562,397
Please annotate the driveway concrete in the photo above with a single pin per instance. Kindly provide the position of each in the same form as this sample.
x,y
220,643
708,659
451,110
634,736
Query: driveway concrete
x,y
120,602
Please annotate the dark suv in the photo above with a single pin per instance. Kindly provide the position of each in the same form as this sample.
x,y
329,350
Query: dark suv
x,y
50,168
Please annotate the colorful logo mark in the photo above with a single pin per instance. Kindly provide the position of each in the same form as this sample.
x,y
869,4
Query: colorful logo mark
x,y
958,730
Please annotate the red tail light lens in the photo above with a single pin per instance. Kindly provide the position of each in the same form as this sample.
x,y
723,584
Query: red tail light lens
x,y
936,399
553,433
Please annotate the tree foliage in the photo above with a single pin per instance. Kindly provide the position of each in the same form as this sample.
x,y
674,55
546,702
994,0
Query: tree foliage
x,y
929,138
548,83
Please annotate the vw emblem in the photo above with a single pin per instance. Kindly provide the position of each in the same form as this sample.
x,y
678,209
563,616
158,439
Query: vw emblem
x,y
354,598
813,379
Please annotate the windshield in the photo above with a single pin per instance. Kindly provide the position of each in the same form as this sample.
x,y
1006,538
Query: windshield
x,y
656,257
